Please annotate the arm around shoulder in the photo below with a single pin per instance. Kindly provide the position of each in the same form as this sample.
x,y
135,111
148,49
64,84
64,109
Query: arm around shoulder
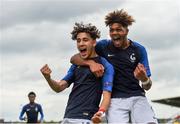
x,y
77,60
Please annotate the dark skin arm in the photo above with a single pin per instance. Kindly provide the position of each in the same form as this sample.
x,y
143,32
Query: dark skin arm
x,y
95,68
140,74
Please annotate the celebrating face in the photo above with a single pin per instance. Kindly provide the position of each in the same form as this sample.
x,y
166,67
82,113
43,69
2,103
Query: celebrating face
x,y
118,34
85,45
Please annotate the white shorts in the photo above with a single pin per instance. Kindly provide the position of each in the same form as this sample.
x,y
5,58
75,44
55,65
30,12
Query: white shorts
x,y
133,109
76,121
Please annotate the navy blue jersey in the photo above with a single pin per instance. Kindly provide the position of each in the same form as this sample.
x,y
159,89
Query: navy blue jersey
x,y
87,89
124,62
31,111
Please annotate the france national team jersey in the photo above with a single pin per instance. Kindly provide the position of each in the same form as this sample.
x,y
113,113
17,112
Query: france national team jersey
x,y
87,89
124,62
31,111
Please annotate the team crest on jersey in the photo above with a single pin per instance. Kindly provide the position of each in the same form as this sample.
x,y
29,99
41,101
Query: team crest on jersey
x,y
132,58
36,109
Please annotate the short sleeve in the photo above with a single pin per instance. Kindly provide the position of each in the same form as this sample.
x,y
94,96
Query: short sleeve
x,y
70,75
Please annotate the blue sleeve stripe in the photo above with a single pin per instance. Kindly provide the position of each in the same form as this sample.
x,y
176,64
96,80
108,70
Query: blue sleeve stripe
x,y
107,87
144,58
144,61
69,74
108,75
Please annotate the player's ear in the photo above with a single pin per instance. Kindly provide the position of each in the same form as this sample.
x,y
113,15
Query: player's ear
x,y
127,30
94,43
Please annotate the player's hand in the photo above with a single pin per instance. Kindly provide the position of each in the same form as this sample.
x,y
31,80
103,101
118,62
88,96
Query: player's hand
x,y
97,118
97,69
140,73
46,71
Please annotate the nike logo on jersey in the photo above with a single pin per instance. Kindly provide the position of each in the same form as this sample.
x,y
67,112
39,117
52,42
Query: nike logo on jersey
x,y
110,55
27,109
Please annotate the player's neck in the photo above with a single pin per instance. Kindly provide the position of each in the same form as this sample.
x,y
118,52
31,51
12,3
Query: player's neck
x,y
31,103
125,44
93,54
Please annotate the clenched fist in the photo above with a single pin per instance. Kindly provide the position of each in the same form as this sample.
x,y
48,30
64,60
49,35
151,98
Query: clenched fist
x,y
140,72
46,71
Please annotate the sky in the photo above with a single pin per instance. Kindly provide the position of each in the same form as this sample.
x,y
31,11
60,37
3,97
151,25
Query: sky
x,y
37,32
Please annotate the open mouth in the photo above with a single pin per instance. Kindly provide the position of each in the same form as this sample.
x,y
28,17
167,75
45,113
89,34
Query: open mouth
x,y
83,51
116,38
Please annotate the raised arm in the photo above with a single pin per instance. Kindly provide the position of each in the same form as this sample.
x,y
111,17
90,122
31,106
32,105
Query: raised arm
x,y
57,86
95,68
141,74
142,71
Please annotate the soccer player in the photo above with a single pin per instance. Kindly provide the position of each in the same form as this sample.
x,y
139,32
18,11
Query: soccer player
x,y
32,109
131,65
85,96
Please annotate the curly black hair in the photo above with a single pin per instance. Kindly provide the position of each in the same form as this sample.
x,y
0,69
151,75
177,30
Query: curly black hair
x,y
31,93
119,16
88,28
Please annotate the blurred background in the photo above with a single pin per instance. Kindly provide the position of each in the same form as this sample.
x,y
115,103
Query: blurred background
x,y
37,32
